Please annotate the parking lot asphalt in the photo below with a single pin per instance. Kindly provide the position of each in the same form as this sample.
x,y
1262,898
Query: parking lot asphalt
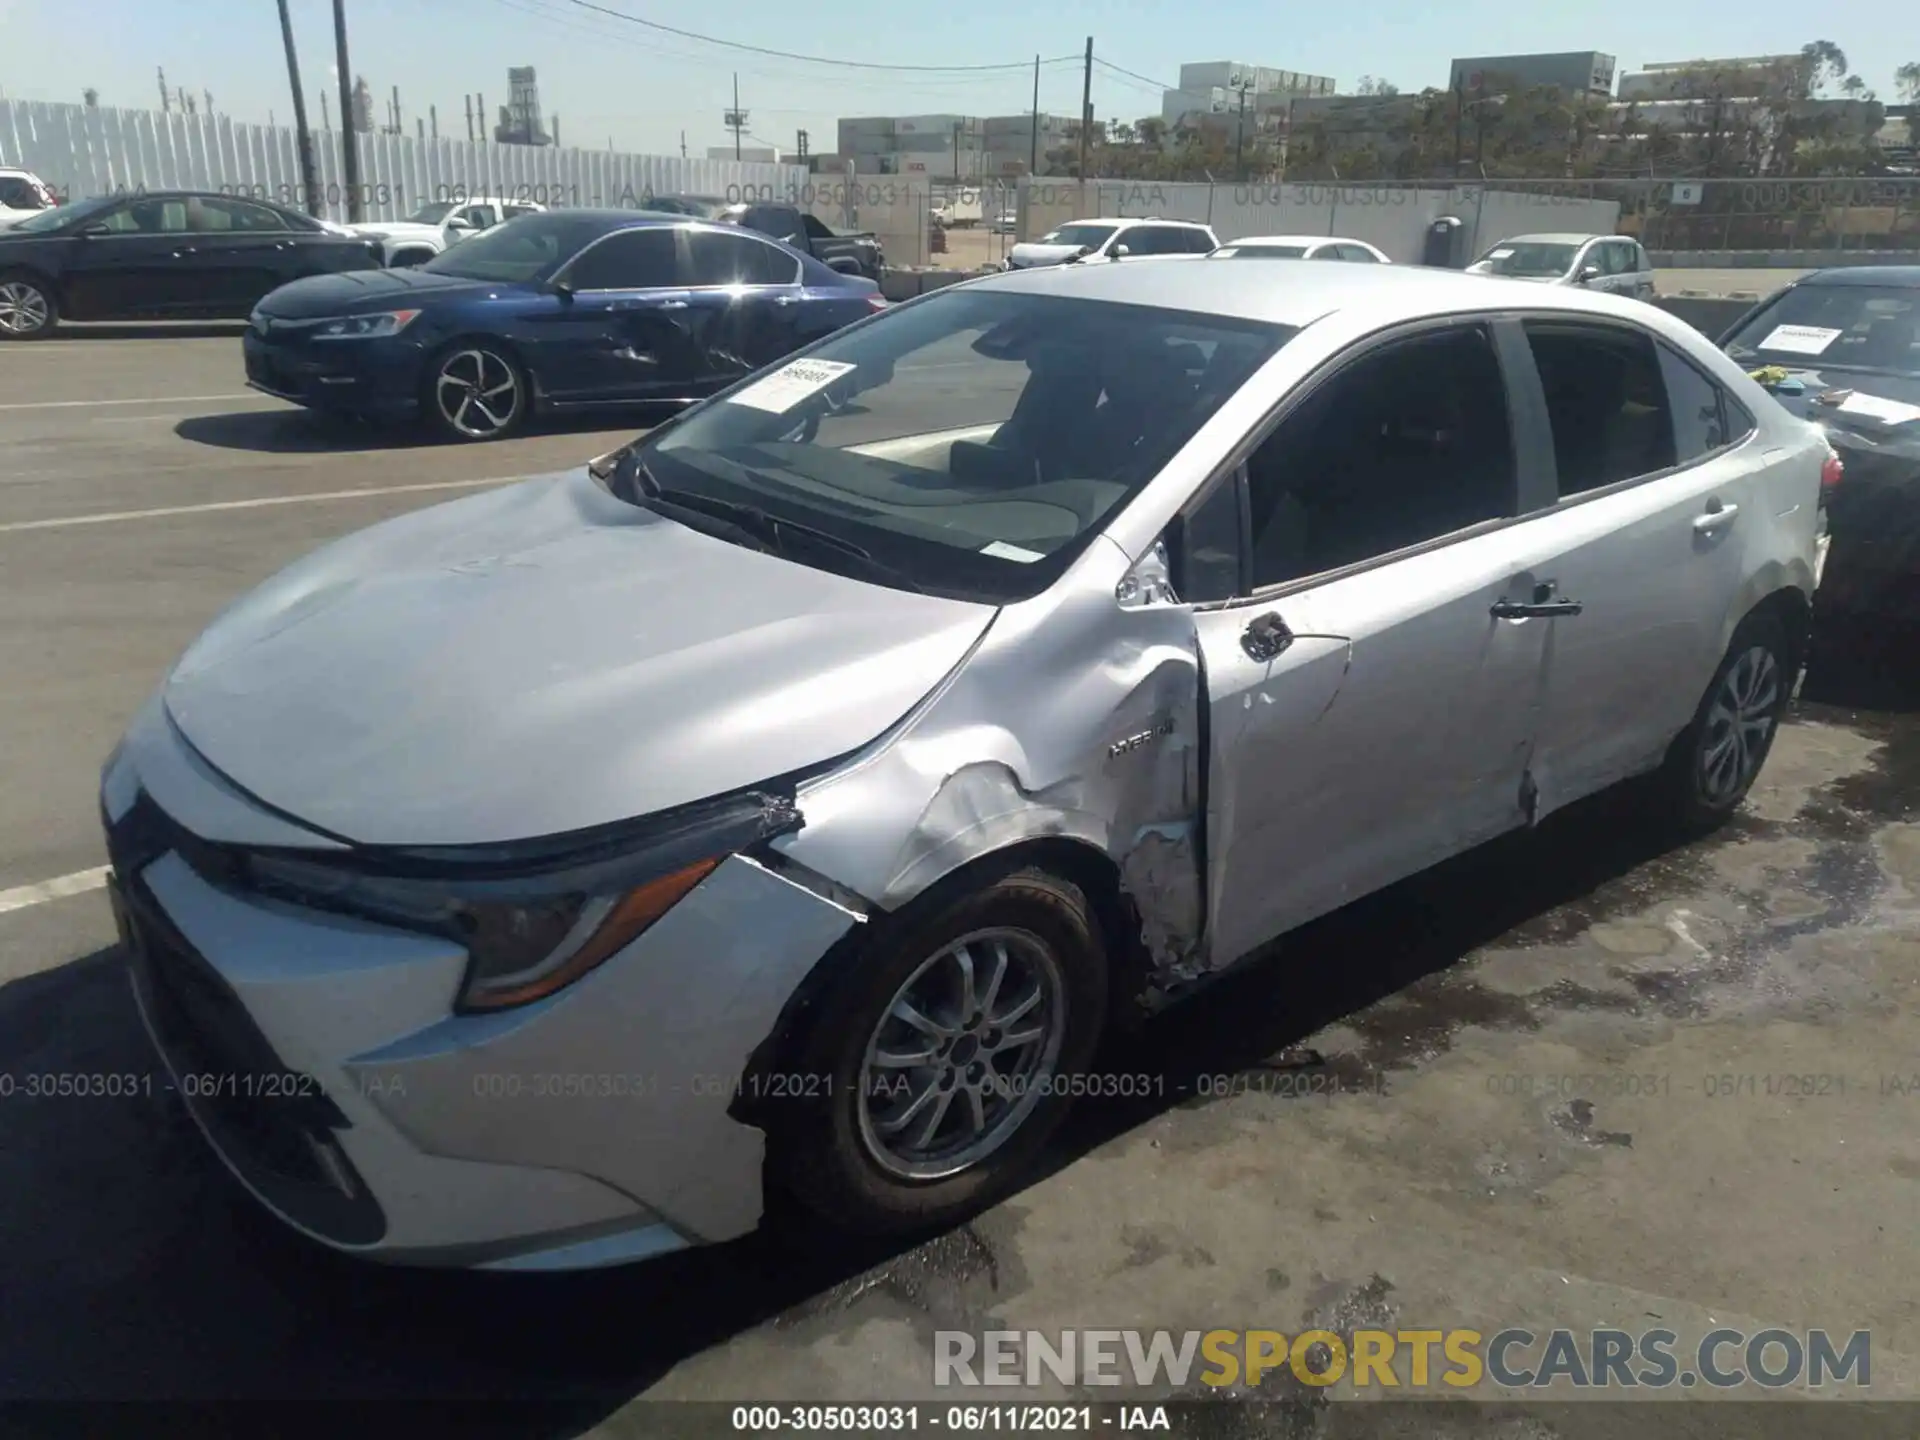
x,y
1582,1077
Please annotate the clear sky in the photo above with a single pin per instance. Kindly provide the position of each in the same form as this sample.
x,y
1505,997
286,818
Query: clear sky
x,y
611,81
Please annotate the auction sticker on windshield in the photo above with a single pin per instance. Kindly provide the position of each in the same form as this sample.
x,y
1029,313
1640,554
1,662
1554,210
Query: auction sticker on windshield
x,y
1800,339
790,384
1887,412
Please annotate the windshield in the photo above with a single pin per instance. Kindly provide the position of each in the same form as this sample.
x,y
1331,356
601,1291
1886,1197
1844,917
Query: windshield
x,y
1536,259
1260,252
1091,236
973,443
1863,327
430,214
688,205
61,215
520,252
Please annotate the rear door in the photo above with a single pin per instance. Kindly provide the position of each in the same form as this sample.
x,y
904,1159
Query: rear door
x,y
744,302
1371,714
1647,511
235,253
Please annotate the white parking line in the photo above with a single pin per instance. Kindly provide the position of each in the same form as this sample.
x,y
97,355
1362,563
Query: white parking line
x,y
168,510
78,883
157,400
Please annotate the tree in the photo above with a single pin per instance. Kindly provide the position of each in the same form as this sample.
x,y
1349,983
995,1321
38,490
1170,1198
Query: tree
x,y
1906,81
1368,85
91,97
1825,64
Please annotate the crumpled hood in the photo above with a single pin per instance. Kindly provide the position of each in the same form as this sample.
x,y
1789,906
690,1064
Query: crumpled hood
x,y
396,230
545,658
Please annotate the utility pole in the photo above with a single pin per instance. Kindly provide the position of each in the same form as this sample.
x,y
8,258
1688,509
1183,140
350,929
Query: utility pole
x,y
1240,141
956,150
349,136
1033,157
209,97
736,117
166,98
800,140
398,124
683,144
1459,120
469,101
326,115
433,121
303,137
1086,108
480,111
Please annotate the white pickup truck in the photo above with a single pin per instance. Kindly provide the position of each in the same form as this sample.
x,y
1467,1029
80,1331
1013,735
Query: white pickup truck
x,y
22,193
432,228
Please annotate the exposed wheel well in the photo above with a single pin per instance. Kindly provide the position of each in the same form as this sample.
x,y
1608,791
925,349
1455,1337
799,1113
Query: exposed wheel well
x,y
1794,610
1091,870
38,277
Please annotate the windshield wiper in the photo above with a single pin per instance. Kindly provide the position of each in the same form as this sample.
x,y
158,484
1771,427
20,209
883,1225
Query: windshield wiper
x,y
770,531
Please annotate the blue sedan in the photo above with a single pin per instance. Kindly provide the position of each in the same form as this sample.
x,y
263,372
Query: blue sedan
x,y
560,311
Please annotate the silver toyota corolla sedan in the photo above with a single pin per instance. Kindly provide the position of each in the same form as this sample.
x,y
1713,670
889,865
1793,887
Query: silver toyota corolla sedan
x,y
786,804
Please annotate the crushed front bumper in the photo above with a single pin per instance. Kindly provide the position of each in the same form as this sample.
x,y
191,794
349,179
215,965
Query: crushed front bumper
x,y
322,1058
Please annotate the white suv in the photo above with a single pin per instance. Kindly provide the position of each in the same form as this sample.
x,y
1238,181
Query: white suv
x,y
23,193
1087,241
432,228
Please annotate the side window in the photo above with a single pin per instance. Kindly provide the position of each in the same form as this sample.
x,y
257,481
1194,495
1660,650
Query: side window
x,y
1699,427
1328,252
1199,242
148,217
1406,444
1640,261
233,216
628,260
1606,401
1739,423
514,212
1154,240
1206,547
723,259
1358,254
478,216
16,193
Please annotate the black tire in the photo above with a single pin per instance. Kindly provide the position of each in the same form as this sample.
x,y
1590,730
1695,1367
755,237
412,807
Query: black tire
x,y
1694,791
29,309
481,363
826,1157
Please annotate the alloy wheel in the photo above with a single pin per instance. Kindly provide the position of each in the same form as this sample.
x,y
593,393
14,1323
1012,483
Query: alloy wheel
x,y
23,308
963,1052
1739,724
478,393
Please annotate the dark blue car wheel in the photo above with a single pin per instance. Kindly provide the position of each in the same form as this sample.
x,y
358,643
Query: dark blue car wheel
x,y
476,391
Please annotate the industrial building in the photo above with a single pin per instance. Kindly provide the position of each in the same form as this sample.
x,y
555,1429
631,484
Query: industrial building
x,y
1683,79
1219,92
1578,72
950,147
521,122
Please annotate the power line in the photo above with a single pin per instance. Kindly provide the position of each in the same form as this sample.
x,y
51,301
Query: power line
x,y
1021,65
1131,74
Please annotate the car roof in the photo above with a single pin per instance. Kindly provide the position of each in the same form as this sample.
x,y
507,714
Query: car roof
x,y
1298,295
1294,240
1901,276
1561,237
1130,220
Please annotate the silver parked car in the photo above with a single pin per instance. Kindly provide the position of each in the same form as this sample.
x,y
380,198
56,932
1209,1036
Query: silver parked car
x,y
787,803
1611,264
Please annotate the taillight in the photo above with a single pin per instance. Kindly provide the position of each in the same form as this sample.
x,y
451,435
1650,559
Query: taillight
x,y
1831,474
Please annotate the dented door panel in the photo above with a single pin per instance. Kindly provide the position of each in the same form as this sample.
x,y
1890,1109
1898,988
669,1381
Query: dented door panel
x,y
1392,732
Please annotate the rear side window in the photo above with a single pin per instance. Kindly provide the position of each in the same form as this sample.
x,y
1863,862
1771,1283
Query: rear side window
x,y
720,258
1199,242
1607,402
628,260
1699,409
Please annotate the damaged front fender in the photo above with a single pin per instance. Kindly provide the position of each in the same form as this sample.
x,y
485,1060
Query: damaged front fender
x,y
1076,717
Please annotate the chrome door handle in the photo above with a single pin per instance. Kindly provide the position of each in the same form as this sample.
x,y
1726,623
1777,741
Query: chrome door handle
x,y
1716,516
1540,610
183,251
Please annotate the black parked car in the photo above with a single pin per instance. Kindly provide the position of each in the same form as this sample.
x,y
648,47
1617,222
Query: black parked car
x,y
163,255
1841,348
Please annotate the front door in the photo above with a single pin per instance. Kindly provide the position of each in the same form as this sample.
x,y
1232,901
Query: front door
x,y
235,252
1371,713
132,261
1648,537
625,331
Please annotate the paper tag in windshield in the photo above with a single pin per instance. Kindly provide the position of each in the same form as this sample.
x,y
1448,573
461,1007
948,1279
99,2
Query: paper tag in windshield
x,y
1888,412
1000,550
1799,339
790,384
1498,254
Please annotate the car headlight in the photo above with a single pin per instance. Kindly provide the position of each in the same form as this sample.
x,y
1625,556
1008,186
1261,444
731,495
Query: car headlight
x,y
365,327
573,905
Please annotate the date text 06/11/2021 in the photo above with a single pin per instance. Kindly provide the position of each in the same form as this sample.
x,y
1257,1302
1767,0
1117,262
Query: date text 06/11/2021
x,y
958,1419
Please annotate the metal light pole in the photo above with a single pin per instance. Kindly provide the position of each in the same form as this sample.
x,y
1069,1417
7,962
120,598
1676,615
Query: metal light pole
x,y
309,171
349,134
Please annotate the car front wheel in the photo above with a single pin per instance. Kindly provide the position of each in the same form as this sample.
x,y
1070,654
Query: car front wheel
x,y
946,1057
476,391
28,310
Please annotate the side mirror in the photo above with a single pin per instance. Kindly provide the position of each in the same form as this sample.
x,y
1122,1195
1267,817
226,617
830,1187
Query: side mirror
x,y
1120,252
98,227
1588,274
562,288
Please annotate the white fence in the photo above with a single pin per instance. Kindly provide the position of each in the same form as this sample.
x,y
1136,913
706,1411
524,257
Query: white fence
x,y
82,151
